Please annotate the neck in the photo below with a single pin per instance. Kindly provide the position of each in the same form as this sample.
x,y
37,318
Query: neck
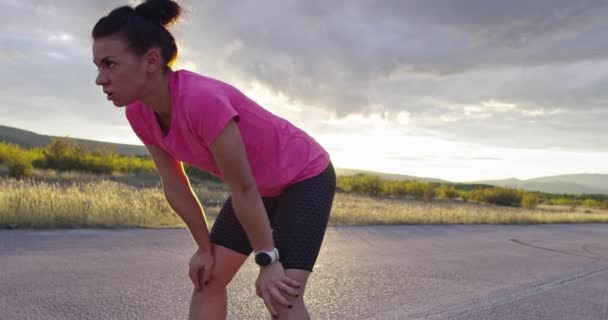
x,y
158,97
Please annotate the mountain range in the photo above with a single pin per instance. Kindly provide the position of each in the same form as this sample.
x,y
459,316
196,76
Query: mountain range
x,y
584,183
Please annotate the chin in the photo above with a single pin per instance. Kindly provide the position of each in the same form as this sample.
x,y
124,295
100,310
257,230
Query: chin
x,y
119,104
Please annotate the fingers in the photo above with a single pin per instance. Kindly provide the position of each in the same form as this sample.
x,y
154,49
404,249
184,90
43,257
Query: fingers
x,y
278,297
268,303
206,276
202,275
275,306
290,282
195,277
287,289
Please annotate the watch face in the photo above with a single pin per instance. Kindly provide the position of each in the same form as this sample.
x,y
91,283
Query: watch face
x,y
262,259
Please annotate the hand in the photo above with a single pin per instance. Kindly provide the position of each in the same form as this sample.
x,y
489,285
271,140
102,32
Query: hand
x,y
272,283
201,265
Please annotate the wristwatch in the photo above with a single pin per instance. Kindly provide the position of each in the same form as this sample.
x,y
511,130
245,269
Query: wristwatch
x,y
266,258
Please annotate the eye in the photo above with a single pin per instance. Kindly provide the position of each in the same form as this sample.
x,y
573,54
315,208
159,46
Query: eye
x,y
110,64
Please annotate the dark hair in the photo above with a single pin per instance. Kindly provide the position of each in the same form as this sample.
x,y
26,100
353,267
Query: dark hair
x,y
143,27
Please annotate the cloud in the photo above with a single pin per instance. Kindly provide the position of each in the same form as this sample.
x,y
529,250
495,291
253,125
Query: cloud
x,y
422,58
525,74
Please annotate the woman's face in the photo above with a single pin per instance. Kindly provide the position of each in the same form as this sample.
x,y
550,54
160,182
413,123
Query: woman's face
x,y
121,73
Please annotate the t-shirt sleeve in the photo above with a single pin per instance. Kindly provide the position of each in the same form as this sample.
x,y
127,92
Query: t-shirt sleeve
x,y
139,126
210,115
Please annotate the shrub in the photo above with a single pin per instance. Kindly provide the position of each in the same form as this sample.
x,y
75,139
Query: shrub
x,y
447,192
20,169
9,152
416,189
529,200
591,203
498,196
361,183
394,188
371,185
429,193
562,201
464,196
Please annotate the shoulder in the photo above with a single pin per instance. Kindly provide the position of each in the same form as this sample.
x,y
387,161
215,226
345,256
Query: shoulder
x,y
197,92
194,85
191,82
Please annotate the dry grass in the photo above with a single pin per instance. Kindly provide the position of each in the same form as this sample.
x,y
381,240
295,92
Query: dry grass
x,y
28,204
104,203
361,210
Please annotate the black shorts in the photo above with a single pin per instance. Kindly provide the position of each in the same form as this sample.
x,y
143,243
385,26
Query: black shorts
x,y
298,218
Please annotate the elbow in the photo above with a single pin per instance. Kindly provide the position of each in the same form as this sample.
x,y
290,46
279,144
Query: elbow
x,y
174,191
246,189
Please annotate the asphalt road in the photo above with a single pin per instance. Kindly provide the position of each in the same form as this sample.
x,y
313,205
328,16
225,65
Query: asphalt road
x,y
386,272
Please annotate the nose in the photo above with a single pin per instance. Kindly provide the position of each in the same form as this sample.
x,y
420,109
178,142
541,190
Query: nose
x,y
101,79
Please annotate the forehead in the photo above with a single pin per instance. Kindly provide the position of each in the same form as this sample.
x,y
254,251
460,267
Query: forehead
x,y
108,46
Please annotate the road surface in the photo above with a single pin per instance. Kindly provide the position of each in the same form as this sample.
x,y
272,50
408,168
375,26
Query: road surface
x,y
382,272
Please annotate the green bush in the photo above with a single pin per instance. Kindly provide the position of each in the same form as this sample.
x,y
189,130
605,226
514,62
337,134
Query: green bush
x,y
429,193
498,196
361,183
446,191
394,188
529,200
20,169
12,153
592,203
464,196
64,155
417,189
8,152
563,201
371,185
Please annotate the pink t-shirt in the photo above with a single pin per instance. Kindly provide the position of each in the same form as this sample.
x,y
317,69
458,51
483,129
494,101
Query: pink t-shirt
x,y
279,153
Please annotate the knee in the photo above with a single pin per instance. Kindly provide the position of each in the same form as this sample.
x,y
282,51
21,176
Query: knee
x,y
301,277
293,301
214,285
213,291
217,284
295,306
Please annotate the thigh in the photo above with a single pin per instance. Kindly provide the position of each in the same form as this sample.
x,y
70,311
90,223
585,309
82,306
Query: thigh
x,y
228,232
300,220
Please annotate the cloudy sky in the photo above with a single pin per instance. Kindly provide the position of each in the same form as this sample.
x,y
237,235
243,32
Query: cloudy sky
x,y
460,90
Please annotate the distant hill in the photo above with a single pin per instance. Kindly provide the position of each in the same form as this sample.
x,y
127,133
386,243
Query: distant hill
x,y
388,176
568,184
28,139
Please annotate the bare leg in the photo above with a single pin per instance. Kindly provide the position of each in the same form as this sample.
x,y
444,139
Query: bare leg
x,y
211,302
298,310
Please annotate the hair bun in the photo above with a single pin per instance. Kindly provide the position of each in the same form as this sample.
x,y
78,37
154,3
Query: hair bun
x,y
165,12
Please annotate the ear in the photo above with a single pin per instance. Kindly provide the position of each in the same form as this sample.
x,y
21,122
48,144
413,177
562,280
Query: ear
x,y
153,60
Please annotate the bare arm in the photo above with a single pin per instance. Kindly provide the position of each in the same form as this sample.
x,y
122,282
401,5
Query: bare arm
x,y
180,196
231,158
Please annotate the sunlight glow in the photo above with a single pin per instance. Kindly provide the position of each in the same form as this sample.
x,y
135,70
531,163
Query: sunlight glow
x,y
63,37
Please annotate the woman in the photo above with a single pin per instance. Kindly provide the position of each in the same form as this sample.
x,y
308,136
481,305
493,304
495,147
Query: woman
x,y
281,180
